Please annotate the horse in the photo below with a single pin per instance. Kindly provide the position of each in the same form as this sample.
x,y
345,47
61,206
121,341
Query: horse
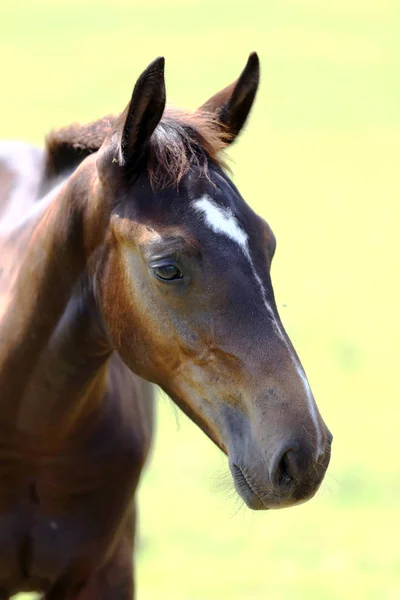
x,y
128,259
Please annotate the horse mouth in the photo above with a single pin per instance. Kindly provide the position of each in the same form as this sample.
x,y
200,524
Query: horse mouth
x,y
266,499
246,490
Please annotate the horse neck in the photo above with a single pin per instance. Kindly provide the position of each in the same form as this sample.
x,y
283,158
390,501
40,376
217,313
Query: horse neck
x,y
71,372
53,358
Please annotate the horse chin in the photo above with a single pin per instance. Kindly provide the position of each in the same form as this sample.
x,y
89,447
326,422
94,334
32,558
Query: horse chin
x,y
251,499
267,501
264,499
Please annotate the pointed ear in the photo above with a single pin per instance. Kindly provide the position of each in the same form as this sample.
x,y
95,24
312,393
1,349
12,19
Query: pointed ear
x,y
232,105
133,129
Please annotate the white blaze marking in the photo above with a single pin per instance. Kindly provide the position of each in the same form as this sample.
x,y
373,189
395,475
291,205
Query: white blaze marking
x,y
222,220
313,410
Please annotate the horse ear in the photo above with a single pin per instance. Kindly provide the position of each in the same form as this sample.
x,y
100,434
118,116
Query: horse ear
x,y
134,127
232,105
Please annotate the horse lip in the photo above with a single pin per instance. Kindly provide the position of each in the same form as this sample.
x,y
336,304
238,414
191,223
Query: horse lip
x,y
246,490
257,501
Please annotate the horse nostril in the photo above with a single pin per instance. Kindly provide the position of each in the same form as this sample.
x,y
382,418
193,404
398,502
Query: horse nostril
x,y
286,467
294,470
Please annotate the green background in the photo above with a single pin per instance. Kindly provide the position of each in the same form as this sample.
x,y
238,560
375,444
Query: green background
x,y
319,161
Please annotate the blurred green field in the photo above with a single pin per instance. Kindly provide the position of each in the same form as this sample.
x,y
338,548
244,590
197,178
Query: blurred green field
x,y
319,160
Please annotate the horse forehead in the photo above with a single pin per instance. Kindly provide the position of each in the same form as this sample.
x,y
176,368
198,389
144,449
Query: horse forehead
x,y
221,220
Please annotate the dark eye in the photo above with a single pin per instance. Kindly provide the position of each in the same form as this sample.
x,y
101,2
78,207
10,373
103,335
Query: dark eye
x,y
167,272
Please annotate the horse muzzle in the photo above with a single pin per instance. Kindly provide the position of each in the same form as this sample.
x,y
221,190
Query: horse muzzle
x,y
291,476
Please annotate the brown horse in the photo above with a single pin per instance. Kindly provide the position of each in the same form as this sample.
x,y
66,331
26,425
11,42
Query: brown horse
x,y
141,263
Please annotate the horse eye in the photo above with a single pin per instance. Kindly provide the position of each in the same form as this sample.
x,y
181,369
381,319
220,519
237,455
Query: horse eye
x,y
167,272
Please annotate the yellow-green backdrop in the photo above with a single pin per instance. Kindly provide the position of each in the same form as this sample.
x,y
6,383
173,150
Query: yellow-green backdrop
x,y
319,161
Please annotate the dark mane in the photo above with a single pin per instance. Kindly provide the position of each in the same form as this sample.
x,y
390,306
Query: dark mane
x,y
70,145
180,141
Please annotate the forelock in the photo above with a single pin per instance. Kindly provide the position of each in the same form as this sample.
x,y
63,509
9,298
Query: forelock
x,y
180,142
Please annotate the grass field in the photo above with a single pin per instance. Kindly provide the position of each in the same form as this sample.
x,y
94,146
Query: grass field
x,y
319,161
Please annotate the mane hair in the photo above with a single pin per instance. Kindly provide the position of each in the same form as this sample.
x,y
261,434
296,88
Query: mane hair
x,y
180,142
70,145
